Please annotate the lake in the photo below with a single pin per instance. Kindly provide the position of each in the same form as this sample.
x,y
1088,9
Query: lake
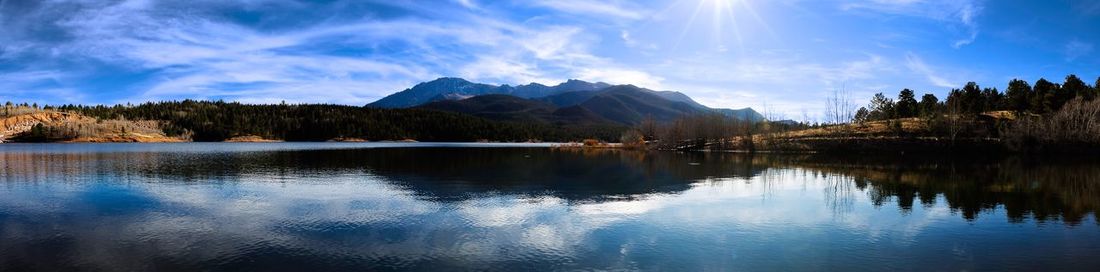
x,y
419,206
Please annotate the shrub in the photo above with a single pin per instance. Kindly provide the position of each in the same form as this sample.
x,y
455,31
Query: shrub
x,y
633,139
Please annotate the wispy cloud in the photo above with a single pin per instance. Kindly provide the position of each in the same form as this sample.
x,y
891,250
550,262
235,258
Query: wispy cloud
x,y
37,86
1075,49
356,51
595,8
342,61
470,4
959,14
917,65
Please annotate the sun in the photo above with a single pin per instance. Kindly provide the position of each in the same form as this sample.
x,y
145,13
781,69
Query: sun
x,y
721,2
727,18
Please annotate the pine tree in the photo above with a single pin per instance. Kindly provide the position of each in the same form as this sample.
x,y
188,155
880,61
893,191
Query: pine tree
x,y
1042,99
1073,87
1018,95
928,104
882,108
907,104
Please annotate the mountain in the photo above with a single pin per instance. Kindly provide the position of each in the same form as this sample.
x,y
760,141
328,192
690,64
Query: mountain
x,y
569,98
449,88
571,102
627,104
435,89
743,114
615,105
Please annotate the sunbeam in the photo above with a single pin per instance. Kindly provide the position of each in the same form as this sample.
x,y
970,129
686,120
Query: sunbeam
x,y
725,21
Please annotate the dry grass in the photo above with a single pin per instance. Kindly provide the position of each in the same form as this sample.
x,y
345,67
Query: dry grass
x,y
866,129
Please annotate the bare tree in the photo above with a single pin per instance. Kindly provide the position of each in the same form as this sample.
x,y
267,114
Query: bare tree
x,y
954,119
839,108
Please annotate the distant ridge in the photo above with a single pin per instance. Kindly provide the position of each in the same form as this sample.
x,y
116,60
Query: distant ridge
x,y
450,88
571,102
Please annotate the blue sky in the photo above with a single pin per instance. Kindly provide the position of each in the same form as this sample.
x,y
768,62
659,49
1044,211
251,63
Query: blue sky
x,y
786,55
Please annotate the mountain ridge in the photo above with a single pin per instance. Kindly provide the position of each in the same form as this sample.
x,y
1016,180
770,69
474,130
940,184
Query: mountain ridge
x,y
570,93
453,87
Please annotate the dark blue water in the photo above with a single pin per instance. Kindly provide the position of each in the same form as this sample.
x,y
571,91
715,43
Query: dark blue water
x,y
368,206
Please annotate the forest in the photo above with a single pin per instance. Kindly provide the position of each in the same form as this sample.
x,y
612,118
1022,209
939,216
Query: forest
x,y
219,120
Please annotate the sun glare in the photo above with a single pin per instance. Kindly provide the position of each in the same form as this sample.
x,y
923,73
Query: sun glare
x,y
727,24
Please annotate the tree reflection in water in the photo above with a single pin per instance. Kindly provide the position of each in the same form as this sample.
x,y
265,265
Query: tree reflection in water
x,y
1066,190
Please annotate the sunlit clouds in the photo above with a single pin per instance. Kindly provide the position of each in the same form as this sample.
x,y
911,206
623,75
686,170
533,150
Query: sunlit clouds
x,y
724,53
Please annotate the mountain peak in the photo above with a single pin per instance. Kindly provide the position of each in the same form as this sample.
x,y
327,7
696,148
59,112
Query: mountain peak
x,y
445,80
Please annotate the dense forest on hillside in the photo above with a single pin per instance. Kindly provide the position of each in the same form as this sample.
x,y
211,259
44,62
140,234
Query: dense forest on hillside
x,y
217,121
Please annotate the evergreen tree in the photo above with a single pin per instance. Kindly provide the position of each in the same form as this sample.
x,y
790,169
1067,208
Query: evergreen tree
x,y
907,104
972,100
881,108
993,99
1096,88
1074,87
1042,99
1018,95
862,115
928,104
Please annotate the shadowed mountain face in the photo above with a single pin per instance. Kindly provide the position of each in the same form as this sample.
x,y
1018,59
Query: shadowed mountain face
x,y
572,102
511,108
622,105
630,105
456,88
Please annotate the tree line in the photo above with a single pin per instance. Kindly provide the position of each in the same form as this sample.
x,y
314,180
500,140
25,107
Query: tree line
x,y
219,120
1044,97
1024,116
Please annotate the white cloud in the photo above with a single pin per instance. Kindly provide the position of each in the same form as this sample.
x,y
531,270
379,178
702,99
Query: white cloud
x,y
37,86
199,56
786,81
595,8
620,76
470,4
916,64
504,70
957,13
625,36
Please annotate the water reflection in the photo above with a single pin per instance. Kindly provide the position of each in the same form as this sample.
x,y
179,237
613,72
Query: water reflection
x,y
1066,189
417,208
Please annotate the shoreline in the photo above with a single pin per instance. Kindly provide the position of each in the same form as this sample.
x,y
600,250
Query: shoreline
x,y
870,145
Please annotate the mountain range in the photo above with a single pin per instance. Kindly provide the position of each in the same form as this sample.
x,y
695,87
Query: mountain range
x,y
574,102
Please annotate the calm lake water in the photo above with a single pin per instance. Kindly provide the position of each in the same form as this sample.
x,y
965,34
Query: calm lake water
x,y
372,206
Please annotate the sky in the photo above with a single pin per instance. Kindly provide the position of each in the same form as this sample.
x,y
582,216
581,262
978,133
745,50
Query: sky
x,y
786,56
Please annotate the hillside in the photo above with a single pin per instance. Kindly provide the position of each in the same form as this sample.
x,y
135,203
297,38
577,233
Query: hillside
x,y
515,109
497,107
47,125
627,104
